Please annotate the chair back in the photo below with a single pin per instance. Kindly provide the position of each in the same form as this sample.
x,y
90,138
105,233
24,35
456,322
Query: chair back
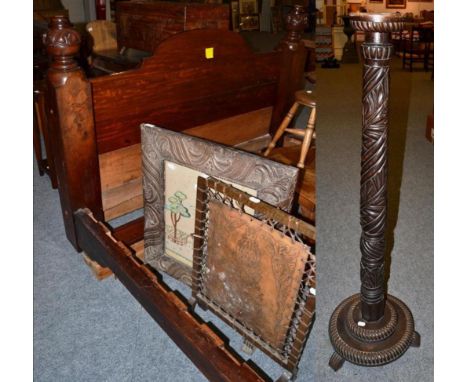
x,y
104,34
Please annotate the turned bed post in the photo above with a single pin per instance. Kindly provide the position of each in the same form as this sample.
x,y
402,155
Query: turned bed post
x,y
70,114
293,59
372,328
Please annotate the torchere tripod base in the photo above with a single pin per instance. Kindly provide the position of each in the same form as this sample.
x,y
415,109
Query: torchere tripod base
x,y
370,343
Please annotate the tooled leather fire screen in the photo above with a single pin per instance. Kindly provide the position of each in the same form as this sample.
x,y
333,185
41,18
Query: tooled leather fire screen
x,y
255,273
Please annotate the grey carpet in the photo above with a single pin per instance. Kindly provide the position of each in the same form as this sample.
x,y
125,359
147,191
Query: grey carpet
x,y
85,330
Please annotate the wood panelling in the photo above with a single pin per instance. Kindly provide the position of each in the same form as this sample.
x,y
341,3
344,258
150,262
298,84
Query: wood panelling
x,y
235,130
120,173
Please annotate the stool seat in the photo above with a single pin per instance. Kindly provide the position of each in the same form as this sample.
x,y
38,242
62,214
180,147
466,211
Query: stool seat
x,y
305,97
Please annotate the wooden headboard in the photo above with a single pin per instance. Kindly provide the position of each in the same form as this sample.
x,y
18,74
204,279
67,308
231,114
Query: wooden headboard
x,y
143,25
204,82
180,88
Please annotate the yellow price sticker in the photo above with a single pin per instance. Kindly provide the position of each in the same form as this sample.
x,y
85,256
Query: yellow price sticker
x,y
209,53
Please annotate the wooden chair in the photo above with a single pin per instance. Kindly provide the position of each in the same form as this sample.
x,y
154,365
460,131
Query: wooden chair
x,y
304,98
104,34
104,46
418,47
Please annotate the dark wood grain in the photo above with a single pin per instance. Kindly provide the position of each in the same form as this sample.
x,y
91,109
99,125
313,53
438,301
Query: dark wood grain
x,y
173,315
131,232
71,125
293,59
373,328
143,25
179,88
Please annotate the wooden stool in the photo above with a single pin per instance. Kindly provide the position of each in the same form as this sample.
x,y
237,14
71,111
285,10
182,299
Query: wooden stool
x,y
304,98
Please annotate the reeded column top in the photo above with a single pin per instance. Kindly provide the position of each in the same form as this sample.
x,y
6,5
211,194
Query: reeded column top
x,y
377,22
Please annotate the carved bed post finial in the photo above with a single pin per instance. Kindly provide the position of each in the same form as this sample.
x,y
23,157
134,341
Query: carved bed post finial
x,y
371,329
293,59
296,22
71,123
62,43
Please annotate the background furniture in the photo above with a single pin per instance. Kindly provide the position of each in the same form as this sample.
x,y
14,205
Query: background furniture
x,y
249,15
100,9
350,55
418,47
323,43
304,98
142,26
104,56
104,34
45,9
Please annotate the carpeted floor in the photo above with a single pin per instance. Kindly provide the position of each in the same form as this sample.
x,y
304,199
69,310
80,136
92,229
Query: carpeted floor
x,y
85,330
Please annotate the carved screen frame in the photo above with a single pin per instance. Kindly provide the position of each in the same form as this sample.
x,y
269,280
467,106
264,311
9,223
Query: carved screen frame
x,y
274,182
294,229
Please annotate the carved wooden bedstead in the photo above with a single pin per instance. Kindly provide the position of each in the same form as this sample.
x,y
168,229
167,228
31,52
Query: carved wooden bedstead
x,y
207,83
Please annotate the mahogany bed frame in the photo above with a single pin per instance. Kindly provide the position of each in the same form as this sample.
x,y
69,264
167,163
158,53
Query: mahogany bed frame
x,y
233,97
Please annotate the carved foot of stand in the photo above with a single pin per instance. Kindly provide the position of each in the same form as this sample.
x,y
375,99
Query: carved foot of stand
x,y
371,343
336,361
416,341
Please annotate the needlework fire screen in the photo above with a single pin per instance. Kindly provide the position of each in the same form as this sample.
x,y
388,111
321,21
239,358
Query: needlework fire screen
x,y
257,273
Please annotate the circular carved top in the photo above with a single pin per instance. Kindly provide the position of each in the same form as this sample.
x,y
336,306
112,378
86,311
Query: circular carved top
x,y
62,39
377,22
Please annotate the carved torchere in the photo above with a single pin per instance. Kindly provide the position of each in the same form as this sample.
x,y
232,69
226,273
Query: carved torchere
x,y
370,328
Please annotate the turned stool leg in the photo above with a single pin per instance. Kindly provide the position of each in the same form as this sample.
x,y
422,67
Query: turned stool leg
x,y
308,134
282,128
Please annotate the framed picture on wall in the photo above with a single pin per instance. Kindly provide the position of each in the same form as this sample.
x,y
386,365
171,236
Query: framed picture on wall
x,y
249,23
396,3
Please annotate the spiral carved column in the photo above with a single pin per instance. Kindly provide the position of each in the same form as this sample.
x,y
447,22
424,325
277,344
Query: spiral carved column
x,y
371,329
